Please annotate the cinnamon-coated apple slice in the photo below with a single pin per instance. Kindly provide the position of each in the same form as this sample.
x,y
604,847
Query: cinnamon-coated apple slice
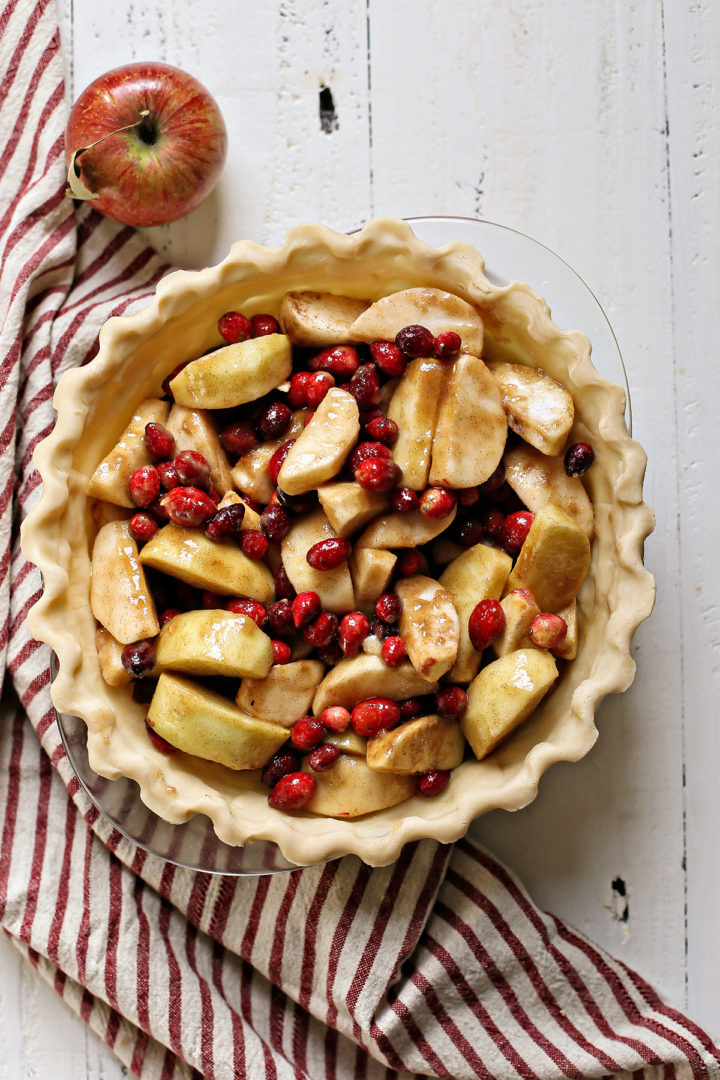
x,y
480,573
358,677
234,374
348,741
334,587
471,428
538,407
214,642
194,430
567,649
320,450
284,695
520,609
414,407
110,479
553,561
371,570
428,742
348,506
319,319
351,789
538,479
392,531
436,309
429,625
110,659
220,566
120,598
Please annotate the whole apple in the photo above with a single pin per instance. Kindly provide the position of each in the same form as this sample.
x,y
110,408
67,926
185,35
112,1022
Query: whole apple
x,y
160,144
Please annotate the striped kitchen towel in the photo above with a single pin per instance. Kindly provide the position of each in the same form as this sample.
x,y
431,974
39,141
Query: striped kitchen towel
x,y
439,965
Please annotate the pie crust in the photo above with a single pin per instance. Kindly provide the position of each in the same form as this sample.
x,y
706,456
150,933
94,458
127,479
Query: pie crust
x,y
94,404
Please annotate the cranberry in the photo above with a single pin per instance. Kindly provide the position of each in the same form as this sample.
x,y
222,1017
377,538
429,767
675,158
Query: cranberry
x,y
446,346
495,481
169,378
275,522
383,429
331,654
239,438
486,624
226,523
253,544
253,609
279,765
276,461
451,702
374,715
492,523
284,589
354,628
437,503
144,485
280,618
468,531
323,758
468,496
579,458
168,475
210,600
342,361
317,388
297,504
165,616
282,653
142,527
188,506
138,658
388,607
365,386
408,562
432,783
296,393
336,718
307,732
274,421
192,469
159,512
404,500
377,474
365,450
292,792
329,554
234,327
262,325
388,358
157,740
321,631
514,529
308,417
415,340
382,630
547,631
393,651
411,707
159,441
306,606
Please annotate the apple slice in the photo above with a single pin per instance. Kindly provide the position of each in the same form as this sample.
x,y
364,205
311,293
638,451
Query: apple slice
x,y
348,741
553,560
350,789
206,725
119,595
480,573
234,374
538,479
194,430
187,554
520,610
214,642
358,677
371,570
334,587
567,649
348,506
414,407
471,428
439,311
428,742
504,694
319,319
429,625
109,657
110,479
250,472
320,450
403,530
538,407
285,695
251,518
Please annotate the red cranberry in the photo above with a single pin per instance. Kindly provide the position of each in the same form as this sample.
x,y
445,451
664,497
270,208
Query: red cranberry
x,y
169,378
159,441
275,522
138,658
342,361
446,346
253,544
329,554
388,607
239,438
437,503
144,485
393,651
281,764
297,391
274,421
495,481
165,616
276,461
226,523
579,458
214,495
354,628
142,527
335,718
514,529
331,654
547,631
282,653
388,358
492,523
292,792
365,387
383,430
159,512
468,532
280,619
451,702
365,450
306,606
284,589
168,475
253,609
308,417
468,496
192,469
188,506
404,500
317,388
432,783
234,327
408,562
486,624
321,631
374,715
262,325
157,740
323,758
307,732
210,600
377,474
412,707
415,340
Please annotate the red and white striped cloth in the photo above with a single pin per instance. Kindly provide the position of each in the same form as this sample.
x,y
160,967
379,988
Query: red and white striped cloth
x,y
439,965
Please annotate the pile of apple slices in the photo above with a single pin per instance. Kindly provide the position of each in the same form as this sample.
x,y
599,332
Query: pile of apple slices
x,y
341,548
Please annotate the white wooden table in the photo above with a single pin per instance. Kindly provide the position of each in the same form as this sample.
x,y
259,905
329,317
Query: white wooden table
x,y
591,125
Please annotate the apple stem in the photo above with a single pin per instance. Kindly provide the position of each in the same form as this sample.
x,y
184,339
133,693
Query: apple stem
x,y
76,189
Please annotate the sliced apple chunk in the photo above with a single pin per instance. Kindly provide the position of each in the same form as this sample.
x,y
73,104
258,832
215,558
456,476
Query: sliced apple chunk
x,y
539,408
480,573
471,428
110,479
234,374
520,609
538,480
504,694
250,472
110,659
428,742
439,311
120,598
348,506
350,789
429,625
567,649
348,741
414,407
553,560
371,570
334,587
214,642
403,530
285,695
319,319
187,554
357,677
206,725
194,430
320,450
